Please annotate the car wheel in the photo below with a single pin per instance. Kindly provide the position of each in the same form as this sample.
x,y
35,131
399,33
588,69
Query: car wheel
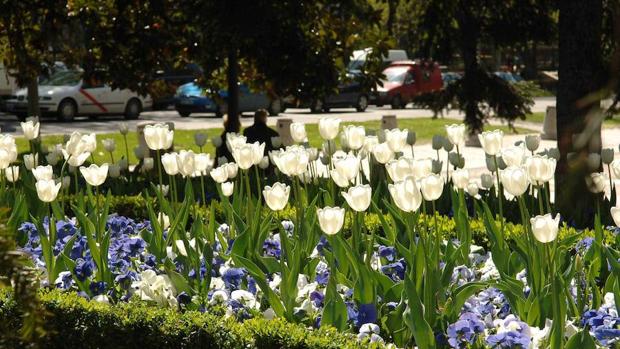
x,y
317,106
21,116
275,107
67,110
133,109
184,114
362,103
397,102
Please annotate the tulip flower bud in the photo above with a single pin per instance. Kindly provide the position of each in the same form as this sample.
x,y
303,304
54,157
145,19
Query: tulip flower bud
x,y
447,145
553,153
457,134
456,160
431,187
607,155
31,129
140,152
123,164
123,129
437,166
222,160
490,162
217,141
329,128
95,175
12,173
358,198
31,161
109,145
596,182
514,180
200,139
276,142
396,139
491,141
472,188
460,178
43,172
354,136
324,159
487,181
47,190
264,162
501,163
227,188
298,132
437,142
406,194
382,153
532,142
163,189
411,137
52,158
158,136
114,171
148,164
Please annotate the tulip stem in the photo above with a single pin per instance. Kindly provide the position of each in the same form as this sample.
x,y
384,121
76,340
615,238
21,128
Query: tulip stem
x,y
540,199
258,182
161,180
500,193
202,190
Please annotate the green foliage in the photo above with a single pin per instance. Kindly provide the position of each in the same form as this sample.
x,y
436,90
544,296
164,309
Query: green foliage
x,y
75,322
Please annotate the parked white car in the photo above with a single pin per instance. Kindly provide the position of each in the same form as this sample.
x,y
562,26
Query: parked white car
x,y
66,95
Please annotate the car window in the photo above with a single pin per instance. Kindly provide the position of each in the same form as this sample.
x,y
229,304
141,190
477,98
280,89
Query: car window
x,y
395,74
62,78
409,78
93,81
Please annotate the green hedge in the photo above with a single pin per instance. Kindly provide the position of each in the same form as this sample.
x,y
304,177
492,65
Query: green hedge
x,y
74,322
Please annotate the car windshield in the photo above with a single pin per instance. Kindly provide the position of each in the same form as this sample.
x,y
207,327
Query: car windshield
x,y
395,74
63,78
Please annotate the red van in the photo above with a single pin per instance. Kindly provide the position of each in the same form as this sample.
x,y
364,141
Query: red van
x,y
405,80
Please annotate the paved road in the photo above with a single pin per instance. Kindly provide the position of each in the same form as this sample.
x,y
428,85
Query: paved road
x,y
9,123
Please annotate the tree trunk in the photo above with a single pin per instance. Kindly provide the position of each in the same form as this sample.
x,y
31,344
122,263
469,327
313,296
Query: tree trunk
x,y
33,97
391,16
530,71
469,50
233,124
578,108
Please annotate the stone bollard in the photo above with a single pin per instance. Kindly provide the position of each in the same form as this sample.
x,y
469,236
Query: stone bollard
x,y
389,122
142,142
284,129
550,124
473,140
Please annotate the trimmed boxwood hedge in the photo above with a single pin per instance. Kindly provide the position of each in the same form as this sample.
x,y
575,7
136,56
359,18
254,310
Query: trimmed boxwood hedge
x,y
74,322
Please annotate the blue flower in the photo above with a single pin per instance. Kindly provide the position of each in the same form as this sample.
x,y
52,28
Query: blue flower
x,y
83,268
97,288
465,330
367,313
607,336
64,280
510,339
79,247
64,229
184,298
317,298
395,271
271,248
124,280
119,225
322,274
583,245
387,252
134,246
232,278
322,244
288,226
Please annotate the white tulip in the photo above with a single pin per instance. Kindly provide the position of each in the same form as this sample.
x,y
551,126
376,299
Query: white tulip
x,y
231,169
396,139
597,182
340,181
90,142
163,220
354,136
12,173
123,128
545,228
422,168
347,167
169,162
382,153
219,174
186,163
491,141
514,156
331,219
399,169
158,136
515,180
5,159
227,188
276,196
615,214
47,190
109,144
31,161
460,178
540,169
431,187
95,175
234,140
298,132
329,128
456,134
264,163
293,161
615,168
358,197
30,129
52,158
370,142
406,194
202,162
200,139
472,188
43,172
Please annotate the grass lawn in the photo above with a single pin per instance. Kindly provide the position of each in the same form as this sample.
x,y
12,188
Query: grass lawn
x,y
425,128
540,117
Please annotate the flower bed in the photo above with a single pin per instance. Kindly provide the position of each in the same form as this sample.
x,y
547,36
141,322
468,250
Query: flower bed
x,y
354,241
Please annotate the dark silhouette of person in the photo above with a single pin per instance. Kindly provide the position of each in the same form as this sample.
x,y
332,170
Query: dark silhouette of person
x,y
260,132
222,150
